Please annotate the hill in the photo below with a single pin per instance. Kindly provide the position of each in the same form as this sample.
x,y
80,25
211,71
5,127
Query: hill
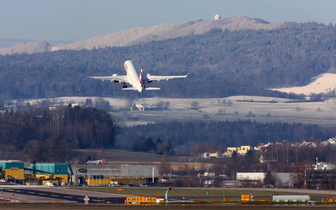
x,y
221,62
26,47
144,35
168,31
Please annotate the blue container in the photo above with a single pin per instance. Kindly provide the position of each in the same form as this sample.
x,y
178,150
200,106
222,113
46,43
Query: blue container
x,y
56,168
9,165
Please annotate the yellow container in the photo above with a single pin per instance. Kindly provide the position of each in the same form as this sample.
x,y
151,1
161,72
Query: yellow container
x,y
245,198
133,199
64,178
141,200
151,199
14,173
97,182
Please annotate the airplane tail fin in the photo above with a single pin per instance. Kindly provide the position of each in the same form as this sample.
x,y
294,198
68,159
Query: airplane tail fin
x,y
140,80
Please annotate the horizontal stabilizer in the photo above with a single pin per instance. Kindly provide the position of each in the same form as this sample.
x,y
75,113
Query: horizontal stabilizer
x,y
130,88
152,88
158,78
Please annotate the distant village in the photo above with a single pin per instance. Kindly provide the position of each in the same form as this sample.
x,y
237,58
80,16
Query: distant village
x,y
319,175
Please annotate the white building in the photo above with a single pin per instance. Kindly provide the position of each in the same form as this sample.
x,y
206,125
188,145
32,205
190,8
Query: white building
x,y
282,179
251,176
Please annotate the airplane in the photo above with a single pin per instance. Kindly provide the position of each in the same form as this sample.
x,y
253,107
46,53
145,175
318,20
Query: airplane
x,y
137,82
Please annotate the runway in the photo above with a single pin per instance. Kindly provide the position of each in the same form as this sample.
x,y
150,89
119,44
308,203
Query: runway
x,y
42,197
42,194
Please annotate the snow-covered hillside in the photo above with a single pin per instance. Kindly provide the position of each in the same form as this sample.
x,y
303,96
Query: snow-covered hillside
x,y
26,47
321,84
167,31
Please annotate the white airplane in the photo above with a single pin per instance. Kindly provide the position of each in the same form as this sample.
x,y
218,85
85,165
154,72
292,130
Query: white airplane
x,y
137,82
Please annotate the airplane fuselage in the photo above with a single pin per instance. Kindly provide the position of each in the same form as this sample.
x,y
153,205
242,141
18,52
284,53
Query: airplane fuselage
x,y
132,76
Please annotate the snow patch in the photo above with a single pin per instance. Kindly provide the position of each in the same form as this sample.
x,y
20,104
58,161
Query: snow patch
x,y
323,83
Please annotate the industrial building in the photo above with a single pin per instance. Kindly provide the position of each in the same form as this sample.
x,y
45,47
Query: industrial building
x,y
63,173
117,174
58,175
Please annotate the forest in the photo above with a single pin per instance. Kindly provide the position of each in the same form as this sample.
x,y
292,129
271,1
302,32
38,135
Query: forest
x,y
51,134
221,63
183,135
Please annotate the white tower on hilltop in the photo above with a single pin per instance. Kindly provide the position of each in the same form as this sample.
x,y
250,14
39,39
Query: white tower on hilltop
x,y
217,17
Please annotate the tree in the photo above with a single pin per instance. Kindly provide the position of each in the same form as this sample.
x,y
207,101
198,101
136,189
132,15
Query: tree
x,y
198,148
39,131
88,102
297,179
31,148
194,105
143,145
164,167
269,179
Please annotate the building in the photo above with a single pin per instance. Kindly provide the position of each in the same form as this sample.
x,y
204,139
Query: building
x,y
321,166
211,155
249,179
13,171
115,174
242,150
320,176
254,176
58,172
140,107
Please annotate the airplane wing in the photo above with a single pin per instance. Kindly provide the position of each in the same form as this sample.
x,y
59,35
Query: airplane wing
x,y
158,78
113,78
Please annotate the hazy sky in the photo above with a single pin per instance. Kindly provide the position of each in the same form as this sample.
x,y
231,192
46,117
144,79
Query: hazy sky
x,y
75,20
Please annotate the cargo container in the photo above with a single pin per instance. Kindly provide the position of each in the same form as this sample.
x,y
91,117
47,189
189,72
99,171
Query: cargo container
x,y
13,171
97,182
56,168
141,200
290,198
246,197
9,165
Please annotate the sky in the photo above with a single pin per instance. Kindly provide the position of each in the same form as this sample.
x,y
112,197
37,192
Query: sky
x,y
75,20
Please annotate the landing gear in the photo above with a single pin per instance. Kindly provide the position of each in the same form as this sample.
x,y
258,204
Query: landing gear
x,y
124,86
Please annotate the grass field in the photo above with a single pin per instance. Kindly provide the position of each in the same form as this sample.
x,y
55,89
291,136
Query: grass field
x,y
203,194
265,109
